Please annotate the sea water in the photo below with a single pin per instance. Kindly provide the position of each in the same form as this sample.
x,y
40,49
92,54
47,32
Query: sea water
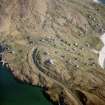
x,y
12,92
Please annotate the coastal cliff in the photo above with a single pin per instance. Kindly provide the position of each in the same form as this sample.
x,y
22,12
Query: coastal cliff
x,y
53,44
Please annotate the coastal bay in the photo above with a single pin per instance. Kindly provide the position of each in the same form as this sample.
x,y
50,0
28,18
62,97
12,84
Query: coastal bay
x,y
12,92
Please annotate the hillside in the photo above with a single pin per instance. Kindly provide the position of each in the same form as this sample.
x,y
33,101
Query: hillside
x,y
52,44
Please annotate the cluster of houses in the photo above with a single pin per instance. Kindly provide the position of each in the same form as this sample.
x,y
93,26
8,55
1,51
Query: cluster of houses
x,y
74,47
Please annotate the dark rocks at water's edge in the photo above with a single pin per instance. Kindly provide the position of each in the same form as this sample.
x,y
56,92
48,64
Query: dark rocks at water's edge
x,y
8,68
4,48
4,63
48,98
61,100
